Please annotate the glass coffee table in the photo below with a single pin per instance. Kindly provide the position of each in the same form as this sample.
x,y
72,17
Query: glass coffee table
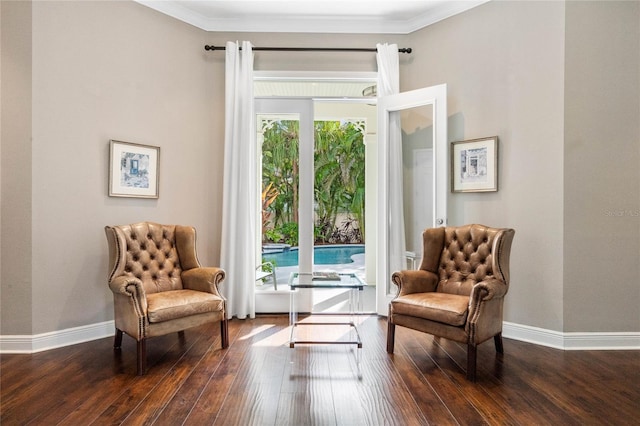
x,y
319,280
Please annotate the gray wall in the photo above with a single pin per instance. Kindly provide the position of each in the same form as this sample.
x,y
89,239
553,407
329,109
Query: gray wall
x,y
100,71
559,84
117,70
15,169
602,167
503,66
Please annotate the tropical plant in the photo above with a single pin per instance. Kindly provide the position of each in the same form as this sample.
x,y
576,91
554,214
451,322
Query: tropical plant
x,y
339,179
339,173
280,168
269,195
346,233
272,235
289,232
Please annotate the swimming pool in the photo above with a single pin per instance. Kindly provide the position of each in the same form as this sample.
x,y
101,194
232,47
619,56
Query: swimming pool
x,y
322,255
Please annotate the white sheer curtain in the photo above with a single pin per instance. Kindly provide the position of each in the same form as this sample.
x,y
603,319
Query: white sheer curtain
x,y
389,84
240,197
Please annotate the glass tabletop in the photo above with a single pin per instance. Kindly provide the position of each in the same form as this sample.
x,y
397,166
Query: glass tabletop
x,y
325,280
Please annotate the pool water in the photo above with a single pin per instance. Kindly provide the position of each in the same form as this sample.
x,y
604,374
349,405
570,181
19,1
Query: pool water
x,y
322,255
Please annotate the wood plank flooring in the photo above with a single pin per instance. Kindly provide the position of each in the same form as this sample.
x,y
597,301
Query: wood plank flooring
x,y
259,380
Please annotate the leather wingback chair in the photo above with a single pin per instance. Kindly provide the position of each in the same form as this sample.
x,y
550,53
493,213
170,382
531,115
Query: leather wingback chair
x,y
458,291
158,284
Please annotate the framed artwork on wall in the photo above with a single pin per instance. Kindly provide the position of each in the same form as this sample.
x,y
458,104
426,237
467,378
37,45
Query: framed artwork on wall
x,y
474,165
133,170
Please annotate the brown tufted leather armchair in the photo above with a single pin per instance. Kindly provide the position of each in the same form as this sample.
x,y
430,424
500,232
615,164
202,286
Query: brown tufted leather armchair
x,y
458,291
158,284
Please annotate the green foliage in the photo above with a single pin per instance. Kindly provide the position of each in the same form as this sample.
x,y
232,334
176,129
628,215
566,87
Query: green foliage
x,y
280,168
339,173
339,159
289,232
272,235
268,266
286,233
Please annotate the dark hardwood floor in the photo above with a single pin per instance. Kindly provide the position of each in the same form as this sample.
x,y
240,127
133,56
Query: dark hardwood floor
x,y
259,380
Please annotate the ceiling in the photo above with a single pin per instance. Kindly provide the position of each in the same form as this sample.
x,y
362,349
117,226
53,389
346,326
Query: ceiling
x,y
312,16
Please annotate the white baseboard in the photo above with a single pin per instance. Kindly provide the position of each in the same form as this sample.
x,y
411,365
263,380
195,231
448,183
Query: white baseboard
x,y
567,341
26,344
572,340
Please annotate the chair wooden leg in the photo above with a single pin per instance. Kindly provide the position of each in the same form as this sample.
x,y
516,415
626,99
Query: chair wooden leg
x,y
224,333
497,339
142,357
471,362
391,336
117,340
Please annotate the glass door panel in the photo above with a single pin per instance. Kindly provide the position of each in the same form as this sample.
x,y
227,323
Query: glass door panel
x,y
418,181
412,179
339,206
285,139
278,135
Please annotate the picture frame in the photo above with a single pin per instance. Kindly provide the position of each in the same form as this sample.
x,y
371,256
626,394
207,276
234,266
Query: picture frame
x,y
133,170
474,165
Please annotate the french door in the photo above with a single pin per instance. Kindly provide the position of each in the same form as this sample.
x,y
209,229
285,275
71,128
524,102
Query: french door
x,y
269,110
419,119
422,117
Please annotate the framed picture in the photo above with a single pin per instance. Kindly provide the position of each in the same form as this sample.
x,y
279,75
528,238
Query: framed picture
x,y
133,170
474,165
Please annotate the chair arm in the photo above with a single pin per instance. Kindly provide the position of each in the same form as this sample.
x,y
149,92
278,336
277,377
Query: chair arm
x,y
203,279
127,285
131,287
487,290
414,281
485,310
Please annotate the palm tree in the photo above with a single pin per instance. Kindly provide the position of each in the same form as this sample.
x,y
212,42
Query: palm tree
x,y
280,168
339,173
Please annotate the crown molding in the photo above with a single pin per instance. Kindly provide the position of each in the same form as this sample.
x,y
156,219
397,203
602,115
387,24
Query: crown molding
x,y
443,11
312,24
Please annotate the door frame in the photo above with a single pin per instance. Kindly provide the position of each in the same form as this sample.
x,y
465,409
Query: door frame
x,y
435,96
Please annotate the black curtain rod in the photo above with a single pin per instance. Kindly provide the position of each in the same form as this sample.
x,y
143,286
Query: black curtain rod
x,y
310,49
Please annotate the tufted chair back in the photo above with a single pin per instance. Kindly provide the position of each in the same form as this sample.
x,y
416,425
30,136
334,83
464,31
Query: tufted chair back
x,y
469,256
151,253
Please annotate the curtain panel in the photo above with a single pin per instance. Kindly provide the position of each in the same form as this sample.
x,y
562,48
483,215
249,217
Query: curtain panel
x,y
389,84
240,196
